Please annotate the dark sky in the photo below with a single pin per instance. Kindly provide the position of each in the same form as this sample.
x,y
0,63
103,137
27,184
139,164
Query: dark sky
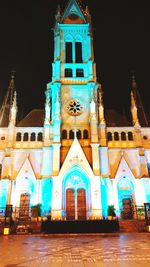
x,y
121,39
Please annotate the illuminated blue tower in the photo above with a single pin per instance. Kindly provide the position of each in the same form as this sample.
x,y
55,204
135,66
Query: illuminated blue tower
x,y
73,122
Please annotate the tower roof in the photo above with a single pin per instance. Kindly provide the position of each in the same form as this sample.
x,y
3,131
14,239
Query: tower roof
x,y
8,100
141,112
73,14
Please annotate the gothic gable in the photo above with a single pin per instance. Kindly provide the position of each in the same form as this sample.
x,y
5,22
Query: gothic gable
x,y
123,170
76,157
26,171
73,14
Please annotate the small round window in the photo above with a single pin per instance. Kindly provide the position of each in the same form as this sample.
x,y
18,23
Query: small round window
x,y
74,107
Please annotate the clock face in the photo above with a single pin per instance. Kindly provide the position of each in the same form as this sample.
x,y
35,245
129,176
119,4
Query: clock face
x,y
74,107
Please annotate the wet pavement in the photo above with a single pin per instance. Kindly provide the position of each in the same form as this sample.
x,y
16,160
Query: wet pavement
x,y
101,250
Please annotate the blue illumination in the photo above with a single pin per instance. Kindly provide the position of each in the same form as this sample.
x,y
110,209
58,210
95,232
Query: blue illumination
x,y
76,178
104,197
3,192
125,190
146,184
46,196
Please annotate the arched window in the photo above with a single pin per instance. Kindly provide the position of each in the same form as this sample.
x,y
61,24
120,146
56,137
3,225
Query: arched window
x,y
71,134
64,134
68,72
116,136
85,134
40,137
78,134
78,52
79,73
109,136
123,136
32,137
25,137
130,136
68,51
18,137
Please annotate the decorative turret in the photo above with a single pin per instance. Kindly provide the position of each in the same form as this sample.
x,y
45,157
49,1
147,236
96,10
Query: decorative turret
x,y
13,111
57,107
92,107
101,107
7,103
58,14
47,108
134,110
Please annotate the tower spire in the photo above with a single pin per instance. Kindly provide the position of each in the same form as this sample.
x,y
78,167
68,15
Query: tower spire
x,y
101,107
137,98
13,111
134,110
8,100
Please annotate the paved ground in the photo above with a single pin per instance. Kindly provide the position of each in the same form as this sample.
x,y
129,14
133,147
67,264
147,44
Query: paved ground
x,y
104,250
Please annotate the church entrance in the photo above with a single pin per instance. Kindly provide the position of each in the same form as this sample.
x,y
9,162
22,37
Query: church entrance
x,y
24,206
126,198
75,204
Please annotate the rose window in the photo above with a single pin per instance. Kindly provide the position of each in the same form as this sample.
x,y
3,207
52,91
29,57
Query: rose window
x,y
74,107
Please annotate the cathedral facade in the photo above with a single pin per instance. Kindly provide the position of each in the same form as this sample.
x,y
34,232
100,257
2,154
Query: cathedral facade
x,y
68,158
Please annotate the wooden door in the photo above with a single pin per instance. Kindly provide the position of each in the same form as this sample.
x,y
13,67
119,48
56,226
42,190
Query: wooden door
x,y
70,204
127,208
24,205
81,204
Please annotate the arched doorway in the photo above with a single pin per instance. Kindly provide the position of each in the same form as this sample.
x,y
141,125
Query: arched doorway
x,y
76,200
24,206
126,197
76,204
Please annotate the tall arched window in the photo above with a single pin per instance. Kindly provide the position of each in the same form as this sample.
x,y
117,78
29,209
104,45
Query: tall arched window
x,y
85,134
109,136
64,134
25,137
123,136
32,137
130,136
78,52
78,134
116,136
18,137
71,134
68,51
40,137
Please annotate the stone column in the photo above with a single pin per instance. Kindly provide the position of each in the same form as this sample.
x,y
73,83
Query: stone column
x,y
95,159
39,191
56,159
9,193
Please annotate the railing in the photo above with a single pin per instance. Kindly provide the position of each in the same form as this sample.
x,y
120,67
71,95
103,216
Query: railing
x,y
26,213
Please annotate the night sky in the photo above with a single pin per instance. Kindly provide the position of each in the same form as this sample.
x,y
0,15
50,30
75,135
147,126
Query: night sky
x,y
122,44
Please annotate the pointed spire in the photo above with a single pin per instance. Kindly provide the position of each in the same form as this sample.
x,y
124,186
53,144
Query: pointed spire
x,y
101,107
92,105
137,100
47,108
134,110
13,111
133,81
8,100
57,106
58,14
87,14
